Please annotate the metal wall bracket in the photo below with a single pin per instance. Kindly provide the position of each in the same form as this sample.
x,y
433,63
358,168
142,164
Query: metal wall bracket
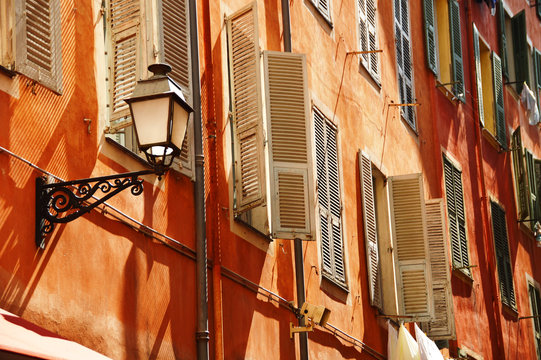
x,y
63,202
299,329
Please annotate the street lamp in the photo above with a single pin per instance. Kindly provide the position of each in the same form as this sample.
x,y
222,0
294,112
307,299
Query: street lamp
x,y
160,117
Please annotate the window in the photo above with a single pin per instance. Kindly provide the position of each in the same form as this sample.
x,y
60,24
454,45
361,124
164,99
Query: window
x,y
503,259
324,8
367,37
521,53
289,162
537,73
535,306
444,43
489,83
403,60
30,42
131,50
457,219
328,199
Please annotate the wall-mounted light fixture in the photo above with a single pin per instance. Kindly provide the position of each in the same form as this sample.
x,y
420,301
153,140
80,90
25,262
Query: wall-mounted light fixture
x,y
313,314
160,117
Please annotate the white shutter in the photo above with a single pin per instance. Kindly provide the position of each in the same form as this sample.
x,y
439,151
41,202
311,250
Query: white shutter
x,y
244,70
38,53
443,325
367,36
410,246
324,7
289,145
370,230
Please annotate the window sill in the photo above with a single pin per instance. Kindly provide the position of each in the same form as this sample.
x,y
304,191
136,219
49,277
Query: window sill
x,y
128,152
463,276
446,92
341,286
509,311
376,82
253,229
491,139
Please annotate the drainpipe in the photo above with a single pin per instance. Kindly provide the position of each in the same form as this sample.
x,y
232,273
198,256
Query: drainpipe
x,y
202,332
299,264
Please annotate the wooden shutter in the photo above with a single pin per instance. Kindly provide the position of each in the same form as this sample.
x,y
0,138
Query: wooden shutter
x,y
410,246
538,9
7,34
430,36
520,49
324,8
367,36
38,53
370,231
245,78
443,325
521,180
537,73
503,39
535,305
501,130
289,132
503,259
537,185
478,75
456,51
532,183
403,60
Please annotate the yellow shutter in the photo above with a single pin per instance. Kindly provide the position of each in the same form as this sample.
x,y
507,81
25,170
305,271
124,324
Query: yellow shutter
x,y
289,145
410,246
245,77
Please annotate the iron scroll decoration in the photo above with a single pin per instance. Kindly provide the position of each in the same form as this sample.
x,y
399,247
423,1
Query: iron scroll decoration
x,y
66,201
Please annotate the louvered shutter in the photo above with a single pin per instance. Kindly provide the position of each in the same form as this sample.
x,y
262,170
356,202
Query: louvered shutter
x,y
443,325
370,231
530,172
537,174
245,78
503,259
503,39
535,304
38,53
520,49
430,35
403,60
520,176
501,131
367,36
456,51
539,9
537,72
478,75
175,51
324,7
410,246
289,145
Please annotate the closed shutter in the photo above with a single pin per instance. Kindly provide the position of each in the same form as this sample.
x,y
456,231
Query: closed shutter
x,y
245,78
532,184
478,75
370,231
456,51
404,60
503,39
443,325
430,35
520,49
520,176
328,197
289,132
537,72
535,305
324,8
456,215
410,246
503,259
501,131
367,36
38,53
537,185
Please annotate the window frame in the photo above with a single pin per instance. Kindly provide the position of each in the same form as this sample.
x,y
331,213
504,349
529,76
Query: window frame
x,y
535,311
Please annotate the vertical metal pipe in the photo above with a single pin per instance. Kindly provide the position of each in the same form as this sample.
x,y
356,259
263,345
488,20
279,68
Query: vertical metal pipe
x,y
202,332
286,25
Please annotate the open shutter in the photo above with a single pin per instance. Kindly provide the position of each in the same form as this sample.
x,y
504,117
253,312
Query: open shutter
x,y
367,36
478,75
430,35
538,9
246,108
501,131
38,52
537,73
530,172
537,174
363,32
503,259
456,51
370,231
289,145
520,176
323,7
443,325
410,246
520,49
503,38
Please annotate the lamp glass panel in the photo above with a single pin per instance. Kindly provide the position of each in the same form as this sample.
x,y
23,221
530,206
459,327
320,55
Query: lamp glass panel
x,y
180,122
150,117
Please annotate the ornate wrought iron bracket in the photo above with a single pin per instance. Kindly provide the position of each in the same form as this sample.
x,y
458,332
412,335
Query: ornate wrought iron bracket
x,y
65,201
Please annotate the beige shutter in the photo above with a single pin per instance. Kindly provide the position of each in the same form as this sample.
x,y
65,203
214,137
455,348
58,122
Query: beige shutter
x,y
38,45
289,145
478,76
245,77
7,21
370,231
443,325
410,246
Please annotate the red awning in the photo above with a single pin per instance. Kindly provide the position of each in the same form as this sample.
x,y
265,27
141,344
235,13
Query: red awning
x,y
22,337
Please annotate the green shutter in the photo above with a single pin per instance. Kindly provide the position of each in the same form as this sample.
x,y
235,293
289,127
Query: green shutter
x,y
456,50
430,35
537,185
537,73
520,176
503,259
478,76
501,132
530,171
503,39
520,49
539,9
